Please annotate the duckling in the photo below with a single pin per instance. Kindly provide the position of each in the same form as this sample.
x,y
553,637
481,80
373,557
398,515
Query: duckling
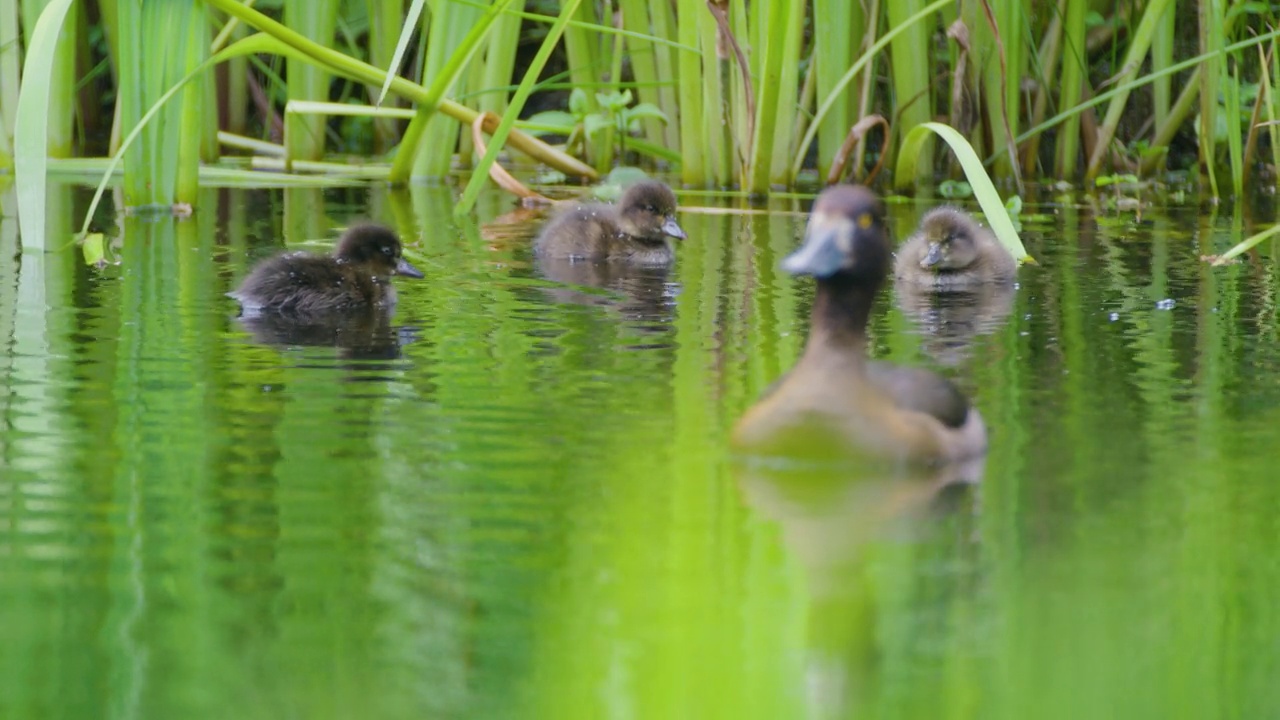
x,y
639,229
835,404
357,276
951,250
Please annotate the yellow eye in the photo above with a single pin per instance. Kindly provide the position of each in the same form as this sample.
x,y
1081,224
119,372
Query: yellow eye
x,y
865,220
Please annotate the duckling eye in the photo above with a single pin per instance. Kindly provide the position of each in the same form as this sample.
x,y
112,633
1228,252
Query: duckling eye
x,y
386,250
652,208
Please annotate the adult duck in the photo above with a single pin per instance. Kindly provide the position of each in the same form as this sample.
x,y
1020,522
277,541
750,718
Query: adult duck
x,y
836,404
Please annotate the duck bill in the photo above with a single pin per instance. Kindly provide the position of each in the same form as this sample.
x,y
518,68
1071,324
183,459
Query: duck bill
x,y
672,228
933,256
404,268
820,255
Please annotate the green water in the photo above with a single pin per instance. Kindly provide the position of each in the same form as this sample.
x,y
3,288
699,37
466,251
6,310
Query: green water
x,y
515,501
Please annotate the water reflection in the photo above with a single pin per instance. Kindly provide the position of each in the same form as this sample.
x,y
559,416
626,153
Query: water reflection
x,y
357,335
637,293
949,322
837,523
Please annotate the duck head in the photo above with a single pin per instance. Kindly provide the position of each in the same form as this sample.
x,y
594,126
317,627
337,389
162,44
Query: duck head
x,y
377,247
845,237
950,235
647,210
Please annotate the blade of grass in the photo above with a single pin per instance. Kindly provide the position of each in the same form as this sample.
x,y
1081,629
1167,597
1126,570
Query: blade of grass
x,y
1137,83
1075,64
910,76
983,189
834,95
499,138
314,19
1138,46
10,60
31,132
695,170
1245,245
408,157
291,42
834,43
397,58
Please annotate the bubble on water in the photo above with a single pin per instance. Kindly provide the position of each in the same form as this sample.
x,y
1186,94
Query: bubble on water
x,y
1114,316
1165,304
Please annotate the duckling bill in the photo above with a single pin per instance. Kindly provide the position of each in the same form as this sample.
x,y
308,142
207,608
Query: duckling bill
x,y
951,250
356,276
639,229
836,404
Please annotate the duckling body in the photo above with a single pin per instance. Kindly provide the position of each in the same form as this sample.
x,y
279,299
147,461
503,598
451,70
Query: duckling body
x,y
356,277
835,404
951,250
638,230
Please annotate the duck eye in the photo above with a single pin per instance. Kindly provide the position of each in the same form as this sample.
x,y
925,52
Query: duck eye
x,y
386,250
652,208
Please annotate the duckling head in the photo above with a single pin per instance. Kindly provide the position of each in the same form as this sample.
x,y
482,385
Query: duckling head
x,y
376,247
845,237
647,211
950,235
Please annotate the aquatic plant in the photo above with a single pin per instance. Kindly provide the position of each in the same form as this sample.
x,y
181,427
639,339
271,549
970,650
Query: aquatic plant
x,y
726,93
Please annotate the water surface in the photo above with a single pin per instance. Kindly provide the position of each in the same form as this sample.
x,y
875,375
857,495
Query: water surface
x,y
514,499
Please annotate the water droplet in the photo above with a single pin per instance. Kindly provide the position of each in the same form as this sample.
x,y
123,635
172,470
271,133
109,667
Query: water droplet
x,y
1114,316
1166,304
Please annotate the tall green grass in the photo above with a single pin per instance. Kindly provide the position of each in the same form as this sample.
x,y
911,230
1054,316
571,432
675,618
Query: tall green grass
x,y
745,94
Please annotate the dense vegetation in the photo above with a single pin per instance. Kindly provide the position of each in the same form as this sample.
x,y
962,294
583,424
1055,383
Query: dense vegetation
x,y
725,93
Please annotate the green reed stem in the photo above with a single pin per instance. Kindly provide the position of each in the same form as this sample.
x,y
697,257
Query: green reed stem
x,y
314,19
644,64
386,21
1211,39
834,47
61,109
10,61
416,153
1075,65
1162,57
480,175
834,95
911,79
693,116
290,43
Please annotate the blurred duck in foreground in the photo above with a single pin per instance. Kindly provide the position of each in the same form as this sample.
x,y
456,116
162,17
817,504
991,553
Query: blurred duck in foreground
x,y
950,250
639,229
835,404
356,277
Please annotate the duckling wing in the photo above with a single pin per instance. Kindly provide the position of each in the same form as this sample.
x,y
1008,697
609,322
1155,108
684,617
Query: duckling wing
x,y
921,391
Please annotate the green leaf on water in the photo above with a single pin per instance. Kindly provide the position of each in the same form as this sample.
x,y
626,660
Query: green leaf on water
x,y
94,250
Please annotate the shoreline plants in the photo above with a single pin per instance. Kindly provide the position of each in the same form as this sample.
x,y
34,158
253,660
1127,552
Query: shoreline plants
x,y
720,93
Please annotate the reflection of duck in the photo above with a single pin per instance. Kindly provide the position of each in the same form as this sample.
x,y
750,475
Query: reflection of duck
x,y
639,229
950,321
356,276
951,250
835,403
638,292
358,335
835,524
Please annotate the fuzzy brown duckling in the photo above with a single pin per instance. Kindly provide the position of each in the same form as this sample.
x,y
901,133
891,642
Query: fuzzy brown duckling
x,y
639,229
951,250
836,404
356,277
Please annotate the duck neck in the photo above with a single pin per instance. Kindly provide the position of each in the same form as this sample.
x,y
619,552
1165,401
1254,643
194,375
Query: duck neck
x,y
841,309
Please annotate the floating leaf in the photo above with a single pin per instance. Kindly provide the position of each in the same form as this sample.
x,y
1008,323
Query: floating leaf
x,y
94,252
